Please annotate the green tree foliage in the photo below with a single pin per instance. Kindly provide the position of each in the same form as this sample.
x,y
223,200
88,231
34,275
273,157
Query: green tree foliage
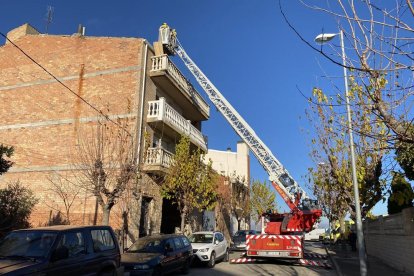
x,y
330,146
16,205
5,164
190,183
262,198
405,155
401,195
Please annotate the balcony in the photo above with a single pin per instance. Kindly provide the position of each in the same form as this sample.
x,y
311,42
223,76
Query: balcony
x,y
157,160
169,122
170,79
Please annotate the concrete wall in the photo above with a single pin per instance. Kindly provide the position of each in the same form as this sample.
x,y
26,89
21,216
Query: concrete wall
x,y
232,164
391,239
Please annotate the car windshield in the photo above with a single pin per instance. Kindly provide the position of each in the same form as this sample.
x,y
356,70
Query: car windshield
x,y
201,238
27,244
147,245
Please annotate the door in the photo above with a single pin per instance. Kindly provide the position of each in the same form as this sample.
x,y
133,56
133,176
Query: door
x,y
102,247
179,250
223,243
75,261
218,245
169,262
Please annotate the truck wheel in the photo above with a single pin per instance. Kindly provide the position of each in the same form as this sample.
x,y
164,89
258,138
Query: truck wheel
x,y
212,261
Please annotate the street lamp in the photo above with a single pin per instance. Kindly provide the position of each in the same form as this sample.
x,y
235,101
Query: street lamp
x,y
322,38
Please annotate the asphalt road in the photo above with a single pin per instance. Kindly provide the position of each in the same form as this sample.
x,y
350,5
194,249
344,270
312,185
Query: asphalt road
x,y
266,268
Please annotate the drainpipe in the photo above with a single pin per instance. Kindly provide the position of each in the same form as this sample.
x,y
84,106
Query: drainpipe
x,y
141,107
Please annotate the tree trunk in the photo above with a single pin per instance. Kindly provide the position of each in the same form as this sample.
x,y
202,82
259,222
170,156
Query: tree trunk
x,y
68,216
105,214
183,218
238,224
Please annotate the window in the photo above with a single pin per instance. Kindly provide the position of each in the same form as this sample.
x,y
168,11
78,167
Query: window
x,y
148,245
185,241
201,238
216,237
177,243
102,240
74,242
169,245
220,237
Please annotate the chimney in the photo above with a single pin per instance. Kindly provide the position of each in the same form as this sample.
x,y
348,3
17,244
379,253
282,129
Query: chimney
x,y
81,30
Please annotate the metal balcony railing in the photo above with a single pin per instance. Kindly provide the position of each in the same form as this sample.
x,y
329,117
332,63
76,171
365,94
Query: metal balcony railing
x,y
161,111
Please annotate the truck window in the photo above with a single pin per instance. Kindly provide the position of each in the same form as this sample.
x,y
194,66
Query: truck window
x,y
102,240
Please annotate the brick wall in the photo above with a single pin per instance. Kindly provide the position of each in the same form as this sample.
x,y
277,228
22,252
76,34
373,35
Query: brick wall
x,y
391,239
43,120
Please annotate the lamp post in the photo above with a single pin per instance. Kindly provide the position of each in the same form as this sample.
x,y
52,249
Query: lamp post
x,y
323,38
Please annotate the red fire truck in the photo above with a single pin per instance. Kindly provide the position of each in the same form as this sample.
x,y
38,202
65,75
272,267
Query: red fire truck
x,y
282,234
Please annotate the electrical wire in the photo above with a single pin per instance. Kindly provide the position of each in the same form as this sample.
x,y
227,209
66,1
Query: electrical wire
x,y
64,85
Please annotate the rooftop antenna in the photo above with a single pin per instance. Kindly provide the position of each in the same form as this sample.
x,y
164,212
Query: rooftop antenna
x,y
49,17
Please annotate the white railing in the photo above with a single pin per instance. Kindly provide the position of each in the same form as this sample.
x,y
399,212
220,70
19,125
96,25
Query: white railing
x,y
161,111
158,157
163,63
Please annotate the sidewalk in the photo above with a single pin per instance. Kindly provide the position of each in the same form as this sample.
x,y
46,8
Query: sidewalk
x,y
346,263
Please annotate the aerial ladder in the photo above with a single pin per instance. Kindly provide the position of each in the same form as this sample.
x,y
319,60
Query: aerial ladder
x,y
282,233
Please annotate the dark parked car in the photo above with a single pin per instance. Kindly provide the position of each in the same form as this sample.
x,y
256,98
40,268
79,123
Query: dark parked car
x,y
157,255
238,241
60,250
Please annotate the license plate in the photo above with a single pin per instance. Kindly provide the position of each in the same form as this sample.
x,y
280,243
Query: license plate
x,y
273,253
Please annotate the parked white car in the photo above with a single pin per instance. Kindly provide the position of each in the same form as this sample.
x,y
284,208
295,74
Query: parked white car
x,y
314,234
209,247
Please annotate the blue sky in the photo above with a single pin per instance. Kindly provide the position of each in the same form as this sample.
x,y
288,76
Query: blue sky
x,y
243,46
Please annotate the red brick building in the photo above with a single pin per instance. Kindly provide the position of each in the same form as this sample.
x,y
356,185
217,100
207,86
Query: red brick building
x,y
123,77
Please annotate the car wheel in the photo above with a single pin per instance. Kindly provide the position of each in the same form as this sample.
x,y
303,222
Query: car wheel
x,y
226,256
157,271
186,267
212,261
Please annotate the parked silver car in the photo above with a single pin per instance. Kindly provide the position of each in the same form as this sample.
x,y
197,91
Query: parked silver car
x,y
238,241
208,247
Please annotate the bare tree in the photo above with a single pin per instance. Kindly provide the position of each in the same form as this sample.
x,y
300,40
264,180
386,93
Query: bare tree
x,y
379,56
66,190
106,160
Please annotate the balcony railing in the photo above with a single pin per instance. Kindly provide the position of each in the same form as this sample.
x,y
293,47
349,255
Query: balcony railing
x,y
157,157
161,111
163,63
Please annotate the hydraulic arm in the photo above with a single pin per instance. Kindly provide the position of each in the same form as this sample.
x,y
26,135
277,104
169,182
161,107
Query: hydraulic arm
x,y
294,196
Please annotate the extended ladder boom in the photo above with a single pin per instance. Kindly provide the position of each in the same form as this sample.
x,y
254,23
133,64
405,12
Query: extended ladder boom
x,y
287,187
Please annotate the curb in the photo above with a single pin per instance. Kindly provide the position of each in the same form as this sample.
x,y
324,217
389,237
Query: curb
x,y
337,269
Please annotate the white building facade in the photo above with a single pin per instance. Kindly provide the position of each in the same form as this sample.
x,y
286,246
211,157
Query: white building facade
x,y
235,166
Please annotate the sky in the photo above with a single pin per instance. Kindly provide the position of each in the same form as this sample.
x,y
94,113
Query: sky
x,y
244,47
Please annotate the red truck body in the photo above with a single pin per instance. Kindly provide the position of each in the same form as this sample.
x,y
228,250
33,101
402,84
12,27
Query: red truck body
x,y
274,246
